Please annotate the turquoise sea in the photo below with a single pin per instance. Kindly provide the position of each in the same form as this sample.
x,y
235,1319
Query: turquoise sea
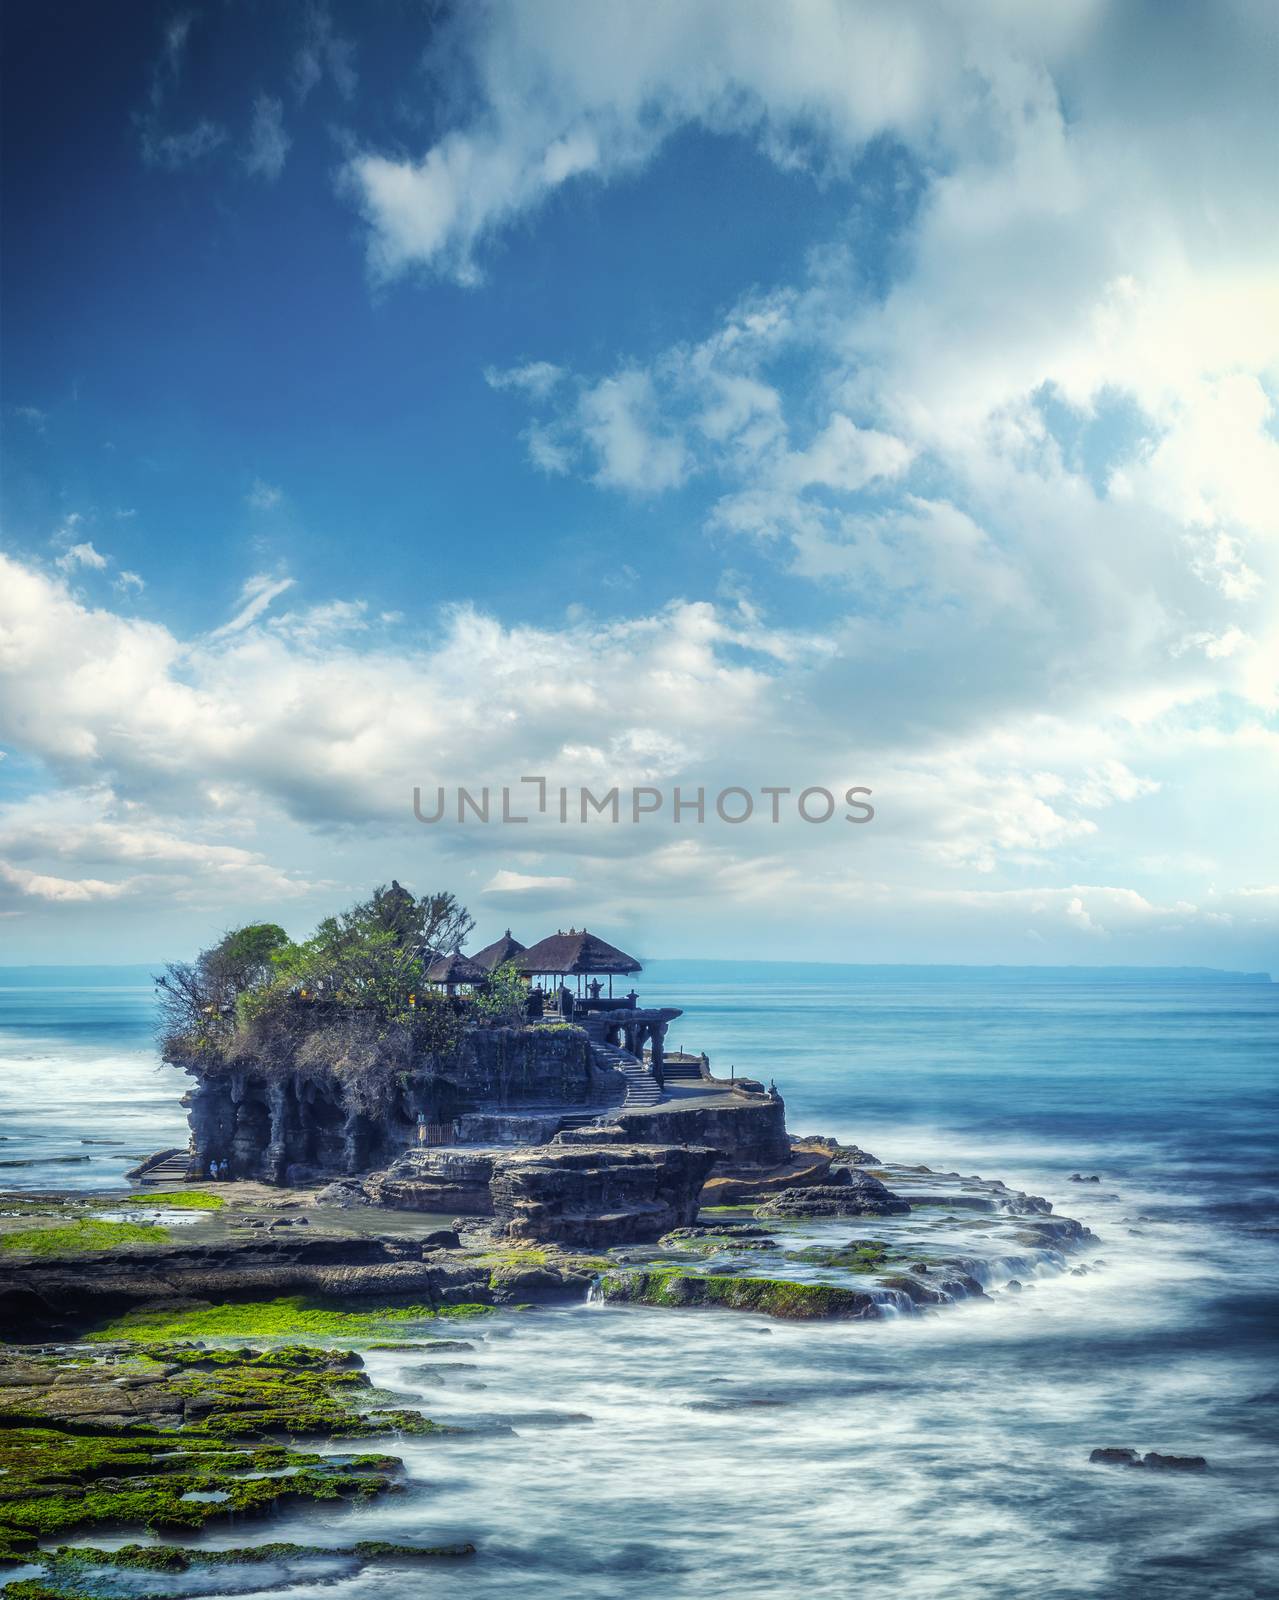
x,y
934,1456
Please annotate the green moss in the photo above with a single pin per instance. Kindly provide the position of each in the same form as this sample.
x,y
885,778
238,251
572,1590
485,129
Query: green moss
x,y
38,1589
174,1558
289,1316
14,1545
860,1255
175,1200
74,1238
685,1242
54,1481
85,1573
774,1297
530,1257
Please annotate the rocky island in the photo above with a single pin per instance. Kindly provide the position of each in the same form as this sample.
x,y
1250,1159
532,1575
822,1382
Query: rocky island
x,y
391,1140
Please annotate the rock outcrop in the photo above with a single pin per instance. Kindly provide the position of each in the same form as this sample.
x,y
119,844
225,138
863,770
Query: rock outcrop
x,y
747,1131
451,1182
773,1297
1152,1459
854,1194
596,1197
69,1293
587,1195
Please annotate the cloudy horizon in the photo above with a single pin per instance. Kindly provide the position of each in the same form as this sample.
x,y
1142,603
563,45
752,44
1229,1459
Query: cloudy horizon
x,y
702,395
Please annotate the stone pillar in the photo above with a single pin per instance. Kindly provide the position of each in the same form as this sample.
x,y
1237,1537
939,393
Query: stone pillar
x,y
657,1031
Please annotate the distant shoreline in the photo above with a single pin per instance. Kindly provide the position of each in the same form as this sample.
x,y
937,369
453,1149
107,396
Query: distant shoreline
x,y
89,974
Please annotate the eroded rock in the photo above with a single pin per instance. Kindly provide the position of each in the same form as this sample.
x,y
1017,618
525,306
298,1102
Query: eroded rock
x,y
857,1195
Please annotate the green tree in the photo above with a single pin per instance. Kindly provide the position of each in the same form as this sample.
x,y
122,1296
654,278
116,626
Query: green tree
x,y
503,1001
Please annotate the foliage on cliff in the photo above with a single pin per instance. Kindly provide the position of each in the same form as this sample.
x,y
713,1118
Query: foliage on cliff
x,y
351,1000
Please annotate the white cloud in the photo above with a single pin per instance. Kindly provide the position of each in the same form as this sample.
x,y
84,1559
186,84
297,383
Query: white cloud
x,y
844,456
618,419
1033,471
507,882
256,595
22,885
173,755
268,144
566,95
81,555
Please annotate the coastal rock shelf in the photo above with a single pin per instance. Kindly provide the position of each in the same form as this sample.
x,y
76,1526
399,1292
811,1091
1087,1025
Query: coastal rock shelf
x,y
847,1193
207,1363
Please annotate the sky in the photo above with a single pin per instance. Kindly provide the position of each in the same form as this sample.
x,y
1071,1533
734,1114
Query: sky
x,y
714,394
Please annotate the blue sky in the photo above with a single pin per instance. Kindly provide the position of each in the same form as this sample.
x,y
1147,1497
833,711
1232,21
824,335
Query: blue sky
x,y
708,394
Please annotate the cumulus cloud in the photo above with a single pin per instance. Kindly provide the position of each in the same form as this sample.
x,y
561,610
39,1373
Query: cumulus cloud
x,y
565,96
1028,467
174,753
617,418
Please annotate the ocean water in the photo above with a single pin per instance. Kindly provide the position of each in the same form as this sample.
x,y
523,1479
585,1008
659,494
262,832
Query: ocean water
x,y
662,1453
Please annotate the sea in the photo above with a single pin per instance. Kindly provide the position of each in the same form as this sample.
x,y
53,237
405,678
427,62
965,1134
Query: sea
x,y
942,1455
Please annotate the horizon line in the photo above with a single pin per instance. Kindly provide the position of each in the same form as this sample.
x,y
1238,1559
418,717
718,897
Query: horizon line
x,y
1183,970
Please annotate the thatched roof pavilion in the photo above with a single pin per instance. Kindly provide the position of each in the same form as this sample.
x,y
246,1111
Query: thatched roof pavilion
x,y
499,952
455,969
575,954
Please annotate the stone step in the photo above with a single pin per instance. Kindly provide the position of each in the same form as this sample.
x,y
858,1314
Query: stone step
x,y
167,1171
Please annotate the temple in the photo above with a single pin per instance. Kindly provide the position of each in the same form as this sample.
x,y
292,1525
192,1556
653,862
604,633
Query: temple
x,y
553,1103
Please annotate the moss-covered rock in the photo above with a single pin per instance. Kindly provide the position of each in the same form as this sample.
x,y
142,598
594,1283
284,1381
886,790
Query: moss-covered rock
x,y
285,1317
858,1255
173,1200
85,1235
53,1481
71,1457
774,1297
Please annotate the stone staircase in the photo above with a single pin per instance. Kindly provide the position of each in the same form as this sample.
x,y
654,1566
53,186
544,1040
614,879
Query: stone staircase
x,y
681,1071
171,1170
642,1088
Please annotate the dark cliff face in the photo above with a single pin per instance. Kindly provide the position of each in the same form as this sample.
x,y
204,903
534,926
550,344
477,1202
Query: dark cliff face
x,y
292,1126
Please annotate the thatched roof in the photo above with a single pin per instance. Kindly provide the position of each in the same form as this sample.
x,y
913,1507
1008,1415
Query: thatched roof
x,y
456,968
574,953
499,952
